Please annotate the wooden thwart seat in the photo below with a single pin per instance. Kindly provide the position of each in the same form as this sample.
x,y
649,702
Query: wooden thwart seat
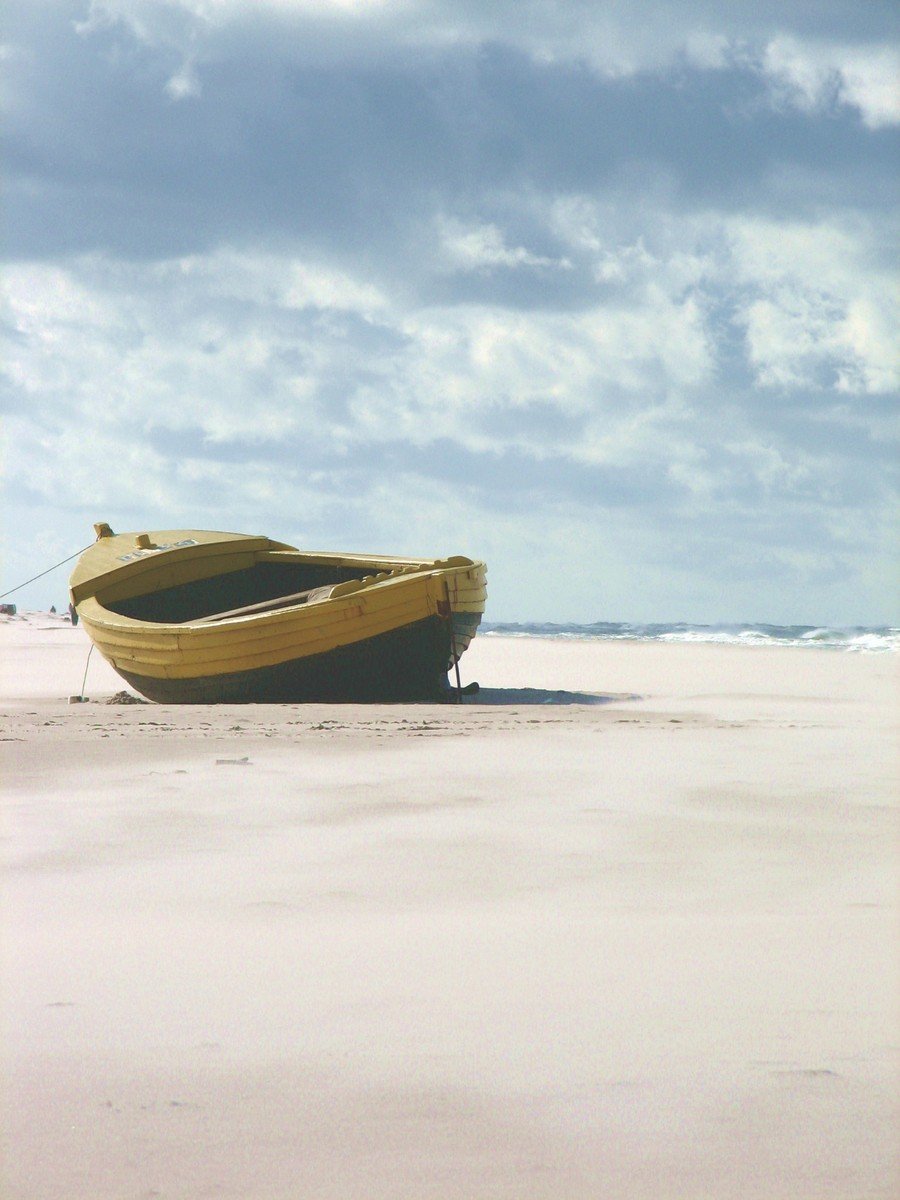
x,y
262,606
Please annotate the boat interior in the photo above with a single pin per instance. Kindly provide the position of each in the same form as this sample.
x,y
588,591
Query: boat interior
x,y
263,587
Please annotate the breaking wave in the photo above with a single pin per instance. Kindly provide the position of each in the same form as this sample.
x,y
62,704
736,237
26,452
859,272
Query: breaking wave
x,y
860,638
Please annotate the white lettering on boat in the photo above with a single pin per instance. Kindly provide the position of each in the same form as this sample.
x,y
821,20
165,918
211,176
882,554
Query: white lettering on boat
x,y
156,549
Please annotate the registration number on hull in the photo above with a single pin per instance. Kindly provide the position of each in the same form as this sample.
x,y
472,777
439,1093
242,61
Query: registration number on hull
x,y
156,549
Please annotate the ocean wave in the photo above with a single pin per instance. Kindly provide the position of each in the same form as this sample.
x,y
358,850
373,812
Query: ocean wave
x,y
858,638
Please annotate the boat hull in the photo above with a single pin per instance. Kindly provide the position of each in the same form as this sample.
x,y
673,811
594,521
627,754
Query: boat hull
x,y
407,665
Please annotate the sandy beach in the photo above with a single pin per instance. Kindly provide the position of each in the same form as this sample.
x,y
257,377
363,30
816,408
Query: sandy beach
x,y
624,925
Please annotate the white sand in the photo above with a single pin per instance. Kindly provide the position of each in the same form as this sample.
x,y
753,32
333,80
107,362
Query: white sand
x,y
520,949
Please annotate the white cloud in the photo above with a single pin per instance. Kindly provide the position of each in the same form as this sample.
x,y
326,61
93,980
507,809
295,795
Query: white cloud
x,y
674,251
483,246
870,81
260,349
816,300
708,51
264,279
244,346
154,22
184,83
869,332
817,76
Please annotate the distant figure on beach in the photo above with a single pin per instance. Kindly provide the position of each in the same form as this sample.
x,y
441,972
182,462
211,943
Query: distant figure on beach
x,y
73,614
53,608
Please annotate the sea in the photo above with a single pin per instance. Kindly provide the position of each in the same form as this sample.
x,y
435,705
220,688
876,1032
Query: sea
x,y
855,638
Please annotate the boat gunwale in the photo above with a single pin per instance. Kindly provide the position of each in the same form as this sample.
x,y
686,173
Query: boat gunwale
x,y
95,612
201,545
382,597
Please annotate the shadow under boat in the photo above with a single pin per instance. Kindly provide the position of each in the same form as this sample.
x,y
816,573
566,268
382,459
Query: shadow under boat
x,y
527,695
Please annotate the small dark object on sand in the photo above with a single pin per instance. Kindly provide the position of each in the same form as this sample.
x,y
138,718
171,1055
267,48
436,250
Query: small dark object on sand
x,y
125,698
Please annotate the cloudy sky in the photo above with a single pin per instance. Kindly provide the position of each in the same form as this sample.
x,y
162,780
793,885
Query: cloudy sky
x,y
601,291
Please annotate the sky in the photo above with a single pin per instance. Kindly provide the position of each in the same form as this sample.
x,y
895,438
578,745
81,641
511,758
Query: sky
x,y
602,293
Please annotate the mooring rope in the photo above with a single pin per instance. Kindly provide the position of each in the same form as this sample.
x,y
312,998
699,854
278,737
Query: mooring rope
x,y
86,665
19,586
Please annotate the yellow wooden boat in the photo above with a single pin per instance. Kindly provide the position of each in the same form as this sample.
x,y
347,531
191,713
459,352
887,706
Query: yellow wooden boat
x,y
195,617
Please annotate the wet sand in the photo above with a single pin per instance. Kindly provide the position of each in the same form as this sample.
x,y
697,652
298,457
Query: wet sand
x,y
624,926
